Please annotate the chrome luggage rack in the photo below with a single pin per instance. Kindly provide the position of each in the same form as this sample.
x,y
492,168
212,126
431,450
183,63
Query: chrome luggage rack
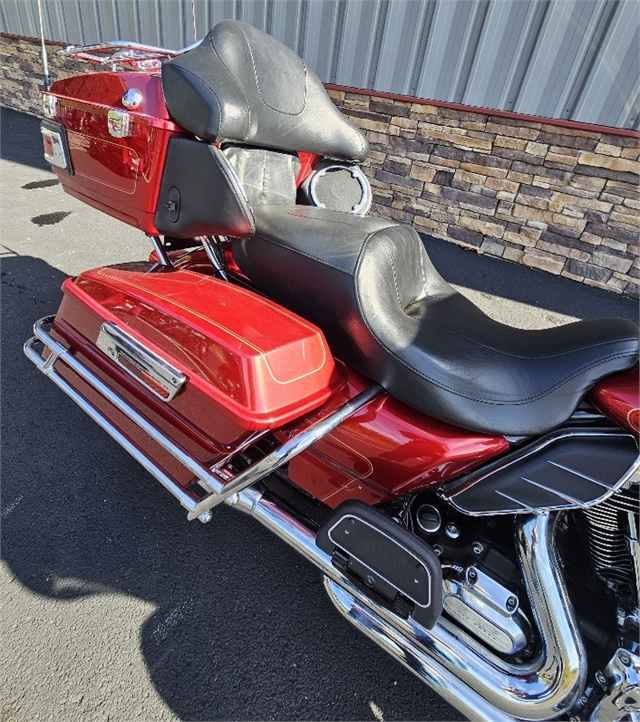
x,y
220,483
124,53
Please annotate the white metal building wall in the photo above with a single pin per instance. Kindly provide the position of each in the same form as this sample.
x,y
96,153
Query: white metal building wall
x,y
573,59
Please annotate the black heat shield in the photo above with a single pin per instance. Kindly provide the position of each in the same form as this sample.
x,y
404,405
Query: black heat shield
x,y
386,559
570,468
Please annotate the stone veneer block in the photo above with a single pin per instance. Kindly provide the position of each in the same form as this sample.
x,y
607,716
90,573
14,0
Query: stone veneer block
x,y
557,197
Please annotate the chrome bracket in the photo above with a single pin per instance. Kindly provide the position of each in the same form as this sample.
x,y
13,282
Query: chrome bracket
x,y
119,123
161,252
213,248
622,701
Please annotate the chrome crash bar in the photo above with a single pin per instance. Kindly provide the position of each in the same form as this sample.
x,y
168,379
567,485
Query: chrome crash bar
x,y
123,52
221,487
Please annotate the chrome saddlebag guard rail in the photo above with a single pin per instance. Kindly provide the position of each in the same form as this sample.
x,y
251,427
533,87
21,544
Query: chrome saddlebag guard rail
x,y
468,676
220,486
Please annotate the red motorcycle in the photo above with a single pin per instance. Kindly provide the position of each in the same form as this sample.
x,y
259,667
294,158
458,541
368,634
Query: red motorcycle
x,y
468,490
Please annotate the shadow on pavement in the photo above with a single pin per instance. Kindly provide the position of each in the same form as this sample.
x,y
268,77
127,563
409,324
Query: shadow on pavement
x,y
242,627
20,139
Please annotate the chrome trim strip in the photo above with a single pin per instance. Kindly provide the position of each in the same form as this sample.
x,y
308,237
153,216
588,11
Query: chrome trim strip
x,y
555,492
597,482
526,507
220,487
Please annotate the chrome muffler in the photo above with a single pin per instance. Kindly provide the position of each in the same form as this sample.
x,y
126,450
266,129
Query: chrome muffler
x,y
470,677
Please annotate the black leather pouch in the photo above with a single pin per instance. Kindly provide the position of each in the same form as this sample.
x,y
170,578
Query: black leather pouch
x,y
201,194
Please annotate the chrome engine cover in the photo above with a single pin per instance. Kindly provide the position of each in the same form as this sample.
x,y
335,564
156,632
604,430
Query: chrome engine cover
x,y
480,604
622,702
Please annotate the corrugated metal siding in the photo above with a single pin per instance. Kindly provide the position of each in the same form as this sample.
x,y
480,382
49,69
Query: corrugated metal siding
x,y
572,59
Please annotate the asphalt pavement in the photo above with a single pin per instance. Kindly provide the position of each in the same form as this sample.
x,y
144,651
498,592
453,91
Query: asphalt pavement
x,y
112,605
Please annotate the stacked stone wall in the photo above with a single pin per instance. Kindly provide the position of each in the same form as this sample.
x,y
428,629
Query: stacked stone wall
x,y
559,197
21,78
563,199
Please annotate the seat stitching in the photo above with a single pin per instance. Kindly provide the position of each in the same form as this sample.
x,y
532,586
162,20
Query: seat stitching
x,y
246,100
393,269
340,223
263,192
421,253
255,75
460,393
562,382
242,204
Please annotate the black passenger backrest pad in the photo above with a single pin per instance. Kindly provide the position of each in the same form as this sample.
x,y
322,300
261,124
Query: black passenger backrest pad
x,y
240,84
200,194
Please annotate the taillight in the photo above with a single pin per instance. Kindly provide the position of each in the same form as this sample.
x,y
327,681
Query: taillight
x,y
55,150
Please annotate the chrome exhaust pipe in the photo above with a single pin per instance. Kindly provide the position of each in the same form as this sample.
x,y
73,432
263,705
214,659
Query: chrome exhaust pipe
x,y
462,671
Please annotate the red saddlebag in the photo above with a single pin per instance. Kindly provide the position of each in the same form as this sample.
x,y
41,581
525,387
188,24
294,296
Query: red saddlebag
x,y
207,362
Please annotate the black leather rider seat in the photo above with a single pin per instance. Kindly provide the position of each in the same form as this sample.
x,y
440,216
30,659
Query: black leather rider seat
x,y
369,284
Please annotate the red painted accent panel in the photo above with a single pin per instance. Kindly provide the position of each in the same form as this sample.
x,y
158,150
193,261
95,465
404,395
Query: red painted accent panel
x,y
618,398
559,122
257,365
307,161
119,176
385,450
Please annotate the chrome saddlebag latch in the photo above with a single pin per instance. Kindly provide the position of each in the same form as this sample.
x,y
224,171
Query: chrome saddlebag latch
x,y
145,366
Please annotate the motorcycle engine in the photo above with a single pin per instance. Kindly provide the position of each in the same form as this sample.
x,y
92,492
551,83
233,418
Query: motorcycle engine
x,y
482,587
610,533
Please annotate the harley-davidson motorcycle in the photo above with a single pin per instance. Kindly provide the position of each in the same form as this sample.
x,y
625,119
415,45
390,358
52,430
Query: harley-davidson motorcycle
x,y
468,490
